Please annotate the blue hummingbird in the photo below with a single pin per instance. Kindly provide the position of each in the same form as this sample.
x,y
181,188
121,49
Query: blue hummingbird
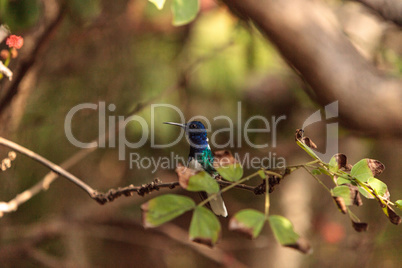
x,y
201,158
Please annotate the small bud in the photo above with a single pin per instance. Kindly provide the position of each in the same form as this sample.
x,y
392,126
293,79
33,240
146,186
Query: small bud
x,y
7,162
4,54
12,155
14,53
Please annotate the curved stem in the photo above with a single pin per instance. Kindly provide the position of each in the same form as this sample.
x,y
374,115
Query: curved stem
x,y
317,179
267,204
52,166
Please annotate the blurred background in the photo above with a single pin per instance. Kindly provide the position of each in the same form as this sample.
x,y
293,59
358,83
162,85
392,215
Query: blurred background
x,y
128,53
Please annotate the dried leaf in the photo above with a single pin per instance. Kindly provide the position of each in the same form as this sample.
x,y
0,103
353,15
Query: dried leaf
x,y
248,222
338,161
302,245
196,181
205,227
223,158
309,142
376,166
355,195
299,134
360,226
344,192
392,216
184,174
366,169
340,203
348,167
305,143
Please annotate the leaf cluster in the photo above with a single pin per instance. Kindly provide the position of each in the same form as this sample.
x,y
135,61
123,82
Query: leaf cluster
x,y
350,182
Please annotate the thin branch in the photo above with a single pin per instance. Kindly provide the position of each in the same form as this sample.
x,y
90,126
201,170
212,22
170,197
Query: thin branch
x,y
317,179
13,204
158,184
43,185
100,197
112,194
52,166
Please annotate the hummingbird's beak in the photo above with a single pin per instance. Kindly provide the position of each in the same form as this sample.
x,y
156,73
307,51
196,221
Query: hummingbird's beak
x,y
175,124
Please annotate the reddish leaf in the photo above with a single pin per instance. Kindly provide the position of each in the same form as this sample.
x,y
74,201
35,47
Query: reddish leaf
x,y
223,158
184,174
340,203
376,166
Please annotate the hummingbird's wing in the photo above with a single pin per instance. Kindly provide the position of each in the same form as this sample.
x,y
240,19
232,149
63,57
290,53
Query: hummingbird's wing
x,y
218,206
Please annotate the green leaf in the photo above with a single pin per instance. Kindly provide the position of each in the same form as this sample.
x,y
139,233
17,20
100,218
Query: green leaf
x,y
398,203
337,161
202,181
205,227
366,194
247,221
158,3
283,230
316,172
231,172
342,180
333,164
366,169
344,192
261,173
164,208
285,235
324,171
184,11
361,171
378,186
307,149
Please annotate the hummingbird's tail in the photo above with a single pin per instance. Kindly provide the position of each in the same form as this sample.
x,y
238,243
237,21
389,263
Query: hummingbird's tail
x,y
218,206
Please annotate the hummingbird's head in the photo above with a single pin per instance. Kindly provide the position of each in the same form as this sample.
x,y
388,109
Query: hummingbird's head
x,y
196,133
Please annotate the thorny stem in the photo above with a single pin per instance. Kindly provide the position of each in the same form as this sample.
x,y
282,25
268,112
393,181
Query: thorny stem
x,y
353,216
